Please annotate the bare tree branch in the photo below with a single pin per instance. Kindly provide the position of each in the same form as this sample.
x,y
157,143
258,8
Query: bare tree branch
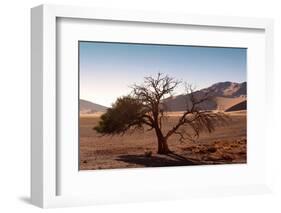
x,y
195,118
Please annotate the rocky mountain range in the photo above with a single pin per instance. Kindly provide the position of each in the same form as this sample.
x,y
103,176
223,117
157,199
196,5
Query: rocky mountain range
x,y
222,96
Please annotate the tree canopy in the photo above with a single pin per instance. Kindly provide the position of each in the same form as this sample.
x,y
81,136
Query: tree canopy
x,y
127,113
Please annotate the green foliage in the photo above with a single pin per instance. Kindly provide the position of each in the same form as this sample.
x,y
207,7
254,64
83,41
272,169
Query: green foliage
x,y
127,113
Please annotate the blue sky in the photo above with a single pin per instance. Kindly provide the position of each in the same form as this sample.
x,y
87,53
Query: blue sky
x,y
108,69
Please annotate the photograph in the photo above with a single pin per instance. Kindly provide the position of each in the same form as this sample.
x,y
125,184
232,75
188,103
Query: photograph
x,y
161,105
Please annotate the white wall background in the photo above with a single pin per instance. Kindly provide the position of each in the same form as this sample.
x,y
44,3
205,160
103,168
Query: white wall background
x,y
15,98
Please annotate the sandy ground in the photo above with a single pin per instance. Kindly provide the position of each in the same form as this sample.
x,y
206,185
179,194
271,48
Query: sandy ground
x,y
224,146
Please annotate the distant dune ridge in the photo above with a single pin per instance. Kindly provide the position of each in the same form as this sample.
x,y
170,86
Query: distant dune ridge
x,y
223,96
240,106
87,107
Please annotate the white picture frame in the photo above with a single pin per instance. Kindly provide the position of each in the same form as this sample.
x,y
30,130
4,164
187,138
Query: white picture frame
x,y
45,166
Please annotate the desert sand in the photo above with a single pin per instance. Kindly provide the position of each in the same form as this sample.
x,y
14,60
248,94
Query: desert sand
x,y
227,145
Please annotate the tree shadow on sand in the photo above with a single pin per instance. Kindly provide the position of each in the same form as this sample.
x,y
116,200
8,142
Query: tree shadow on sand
x,y
171,159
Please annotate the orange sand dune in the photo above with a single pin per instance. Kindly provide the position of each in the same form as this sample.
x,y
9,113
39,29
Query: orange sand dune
x,y
224,103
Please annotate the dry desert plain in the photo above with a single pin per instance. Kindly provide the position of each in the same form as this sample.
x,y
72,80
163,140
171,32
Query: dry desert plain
x,y
227,145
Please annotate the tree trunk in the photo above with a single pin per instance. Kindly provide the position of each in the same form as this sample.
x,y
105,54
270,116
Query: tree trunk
x,y
163,147
162,142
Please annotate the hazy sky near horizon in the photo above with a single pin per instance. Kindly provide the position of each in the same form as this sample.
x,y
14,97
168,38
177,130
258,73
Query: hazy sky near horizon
x,y
107,70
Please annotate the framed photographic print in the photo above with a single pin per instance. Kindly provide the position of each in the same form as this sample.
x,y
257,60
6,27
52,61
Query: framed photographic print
x,y
161,120
146,105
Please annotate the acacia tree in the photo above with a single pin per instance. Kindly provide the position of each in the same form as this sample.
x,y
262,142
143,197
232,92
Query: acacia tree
x,y
145,107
